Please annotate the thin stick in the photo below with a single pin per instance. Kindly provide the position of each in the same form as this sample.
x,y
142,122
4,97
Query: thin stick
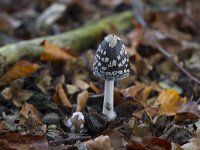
x,y
140,20
71,139
169,56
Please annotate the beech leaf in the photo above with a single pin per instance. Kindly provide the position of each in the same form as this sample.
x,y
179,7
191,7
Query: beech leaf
x,y
20,69
54,54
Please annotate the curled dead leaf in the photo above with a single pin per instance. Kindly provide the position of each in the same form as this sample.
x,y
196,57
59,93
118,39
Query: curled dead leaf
x,y
16,141
133,90
16,94
55,54
139,92
169,102
94,87
82,100
81,84
31,121
116,138
61,98
43,81
156,143
99,143
19,69
188,110
29,110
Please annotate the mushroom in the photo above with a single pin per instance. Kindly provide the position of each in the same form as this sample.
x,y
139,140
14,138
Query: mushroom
x,y
111,63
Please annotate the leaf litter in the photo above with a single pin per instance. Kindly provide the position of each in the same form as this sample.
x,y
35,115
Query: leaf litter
x,y
157,106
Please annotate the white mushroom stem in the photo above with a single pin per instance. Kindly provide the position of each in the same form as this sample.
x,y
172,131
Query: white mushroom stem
x,y
108,103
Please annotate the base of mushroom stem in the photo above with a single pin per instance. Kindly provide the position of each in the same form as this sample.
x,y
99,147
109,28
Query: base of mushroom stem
x,y
110,114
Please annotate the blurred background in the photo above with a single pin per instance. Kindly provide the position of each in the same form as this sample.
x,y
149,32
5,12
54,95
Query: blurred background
x,y
27,19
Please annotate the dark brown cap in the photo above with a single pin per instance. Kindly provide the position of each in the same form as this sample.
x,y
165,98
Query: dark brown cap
x,y
111,61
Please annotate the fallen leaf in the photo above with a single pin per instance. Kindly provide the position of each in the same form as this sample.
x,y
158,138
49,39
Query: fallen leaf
x,y
71,89
141,63
16,94
29,110
194,144
133,90
54,54
145,93
118,98
16,141
3,127
43,81
116,138
137,35
82,100
19,69
135,146
155,143
188,110
139,92
99,143
81,84
61,98
31,121
127,108
169,102
94,87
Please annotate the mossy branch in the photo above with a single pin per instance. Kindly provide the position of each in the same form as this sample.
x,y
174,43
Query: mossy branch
x,y
79,39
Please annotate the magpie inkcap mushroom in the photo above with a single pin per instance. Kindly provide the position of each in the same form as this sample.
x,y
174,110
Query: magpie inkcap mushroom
x,y
111,63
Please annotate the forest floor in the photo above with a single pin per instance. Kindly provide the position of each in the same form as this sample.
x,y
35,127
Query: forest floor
x,y
157,105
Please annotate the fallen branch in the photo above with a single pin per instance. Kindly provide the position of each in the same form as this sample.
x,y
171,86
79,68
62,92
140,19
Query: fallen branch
x,y
79,39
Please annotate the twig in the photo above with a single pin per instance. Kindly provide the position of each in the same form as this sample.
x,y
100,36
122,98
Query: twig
x,y
141,21
71,139
137,7
169,56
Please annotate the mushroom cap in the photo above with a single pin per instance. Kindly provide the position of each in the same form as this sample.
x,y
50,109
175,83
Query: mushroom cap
x,y
111,61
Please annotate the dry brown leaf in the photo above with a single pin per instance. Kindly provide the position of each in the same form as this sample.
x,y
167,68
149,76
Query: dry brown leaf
x,y
169,102
99,143
16,94
118,98
20,69
194,144
153,143
28,110
116,138
54,54
82,100
156,143
3,127
135,146
133,90
188,110
30,120
43,81
142,66
94,87
71,89
61,98
16,141
140,91
137,35
81,84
